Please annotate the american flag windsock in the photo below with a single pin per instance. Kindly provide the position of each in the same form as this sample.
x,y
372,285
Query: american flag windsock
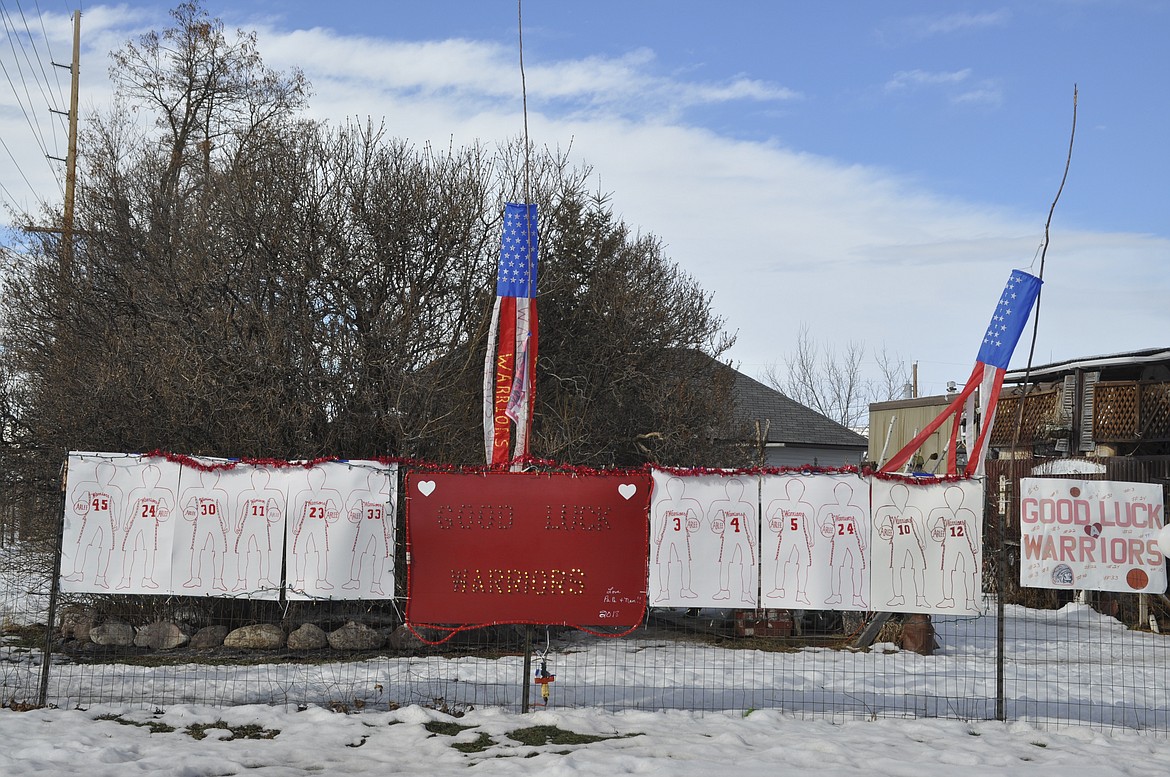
x,y
509,370
999,341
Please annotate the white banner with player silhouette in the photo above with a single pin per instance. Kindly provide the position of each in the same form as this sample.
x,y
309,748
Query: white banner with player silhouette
x,y
120,521
927,542
340,531
147,525
230,532
704,541
815,542
1097,535
825,542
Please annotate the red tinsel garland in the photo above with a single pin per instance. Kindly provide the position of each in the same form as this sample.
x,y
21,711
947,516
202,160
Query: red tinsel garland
x,y
548,466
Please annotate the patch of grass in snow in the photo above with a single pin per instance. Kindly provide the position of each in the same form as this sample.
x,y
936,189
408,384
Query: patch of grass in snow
x,y
24,638
155,726
551,735
246,731
481,743
444,728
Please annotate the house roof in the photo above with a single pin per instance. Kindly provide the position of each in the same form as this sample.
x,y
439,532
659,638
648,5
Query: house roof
x,y
1124,359
788,421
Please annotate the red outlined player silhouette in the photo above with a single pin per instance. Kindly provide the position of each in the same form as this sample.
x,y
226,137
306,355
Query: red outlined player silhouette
x,y
898,525
313,510
257,510
149,505
843,524
677,518
373,511
205,507
790,519
734,520
96,504
954,526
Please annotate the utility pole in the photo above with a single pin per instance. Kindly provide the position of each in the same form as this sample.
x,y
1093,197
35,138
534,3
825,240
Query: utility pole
x,y
71,155
66,273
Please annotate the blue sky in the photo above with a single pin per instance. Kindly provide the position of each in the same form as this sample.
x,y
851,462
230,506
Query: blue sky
x,y
870,170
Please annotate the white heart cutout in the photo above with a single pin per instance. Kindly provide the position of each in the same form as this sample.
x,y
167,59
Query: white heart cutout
x,y
627,490
426,487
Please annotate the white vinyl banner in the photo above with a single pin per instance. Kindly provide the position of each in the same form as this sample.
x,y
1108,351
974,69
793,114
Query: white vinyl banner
x,y
120,520
146,525
340,531
1091,534
789,537
232,537
205,532
704,541
927,547
816,542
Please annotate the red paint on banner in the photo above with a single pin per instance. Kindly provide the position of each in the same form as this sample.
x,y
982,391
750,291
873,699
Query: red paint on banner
x,y
527,548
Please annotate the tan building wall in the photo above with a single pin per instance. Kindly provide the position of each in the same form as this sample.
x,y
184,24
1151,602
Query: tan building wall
x,y
909,417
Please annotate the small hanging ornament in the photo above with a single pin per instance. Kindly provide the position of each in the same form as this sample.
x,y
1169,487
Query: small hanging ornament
x,y
544,678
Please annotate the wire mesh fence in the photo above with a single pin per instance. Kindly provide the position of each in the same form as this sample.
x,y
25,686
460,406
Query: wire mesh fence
x,y
1046,657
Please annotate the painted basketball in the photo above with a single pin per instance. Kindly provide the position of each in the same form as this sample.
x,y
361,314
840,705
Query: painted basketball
x,y
1137,579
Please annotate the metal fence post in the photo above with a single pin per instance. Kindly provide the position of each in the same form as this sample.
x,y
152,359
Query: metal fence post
x,y
525,689
54,590
1001,591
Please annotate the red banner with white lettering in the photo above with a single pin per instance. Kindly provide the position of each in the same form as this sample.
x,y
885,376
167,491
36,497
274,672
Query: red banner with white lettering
x,y
520,547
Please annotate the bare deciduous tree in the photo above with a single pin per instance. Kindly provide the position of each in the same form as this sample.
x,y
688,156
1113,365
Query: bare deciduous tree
x,y
250,283
833,381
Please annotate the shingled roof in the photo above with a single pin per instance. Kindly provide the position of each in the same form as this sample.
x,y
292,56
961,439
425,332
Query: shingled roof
x,y
788,421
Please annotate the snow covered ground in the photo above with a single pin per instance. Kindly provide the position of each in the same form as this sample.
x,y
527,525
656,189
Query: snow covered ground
x,y
117,741
1069,665
657,704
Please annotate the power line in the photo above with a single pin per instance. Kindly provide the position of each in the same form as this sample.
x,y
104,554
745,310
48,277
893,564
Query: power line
x,y
38,73
19,169
13,36
45,34
32,41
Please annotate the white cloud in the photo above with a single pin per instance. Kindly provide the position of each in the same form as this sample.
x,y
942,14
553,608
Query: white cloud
x,y
480,75
919,27
737,89
782,238
944,25
988,93
956,84
910,79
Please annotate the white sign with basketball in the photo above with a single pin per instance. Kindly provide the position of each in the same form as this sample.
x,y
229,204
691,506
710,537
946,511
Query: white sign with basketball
x,y
1091,534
